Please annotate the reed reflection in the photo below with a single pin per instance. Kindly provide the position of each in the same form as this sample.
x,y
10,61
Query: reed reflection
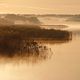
x,y
28,44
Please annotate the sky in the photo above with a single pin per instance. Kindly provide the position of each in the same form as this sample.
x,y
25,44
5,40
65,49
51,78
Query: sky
x,y
40,6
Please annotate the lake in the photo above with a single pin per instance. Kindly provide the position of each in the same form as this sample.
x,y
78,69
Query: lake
x,y
59,61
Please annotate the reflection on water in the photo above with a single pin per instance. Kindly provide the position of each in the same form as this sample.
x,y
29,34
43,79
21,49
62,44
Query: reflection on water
x,y
30,47
56,56
28,50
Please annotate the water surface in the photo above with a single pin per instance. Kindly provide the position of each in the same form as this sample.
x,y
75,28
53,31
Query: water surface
x,y
54,61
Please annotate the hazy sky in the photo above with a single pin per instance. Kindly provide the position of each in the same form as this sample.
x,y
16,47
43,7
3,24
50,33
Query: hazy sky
x,y
40,6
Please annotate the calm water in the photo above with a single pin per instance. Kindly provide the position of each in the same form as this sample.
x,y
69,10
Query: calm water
x,y
46,60
56,61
